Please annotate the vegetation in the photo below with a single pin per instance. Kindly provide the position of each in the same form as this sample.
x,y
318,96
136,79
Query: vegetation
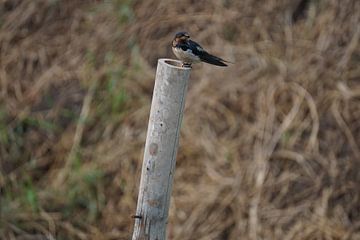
x,y
269,147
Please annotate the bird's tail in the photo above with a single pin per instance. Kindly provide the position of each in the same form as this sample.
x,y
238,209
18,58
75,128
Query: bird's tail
x,y
211,59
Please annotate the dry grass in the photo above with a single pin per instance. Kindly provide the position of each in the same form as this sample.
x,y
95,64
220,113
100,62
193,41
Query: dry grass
x,y
269,149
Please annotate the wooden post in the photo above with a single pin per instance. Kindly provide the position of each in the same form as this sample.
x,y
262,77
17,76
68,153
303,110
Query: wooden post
x,y
160,150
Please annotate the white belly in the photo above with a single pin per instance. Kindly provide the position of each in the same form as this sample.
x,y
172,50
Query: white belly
x,y
185,56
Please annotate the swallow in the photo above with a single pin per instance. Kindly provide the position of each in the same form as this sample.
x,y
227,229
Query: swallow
x,y
190,52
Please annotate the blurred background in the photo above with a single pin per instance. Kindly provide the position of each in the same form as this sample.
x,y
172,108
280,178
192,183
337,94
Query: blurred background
x,y
269,146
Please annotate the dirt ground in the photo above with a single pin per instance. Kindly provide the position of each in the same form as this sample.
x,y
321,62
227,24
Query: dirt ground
x,y
269,146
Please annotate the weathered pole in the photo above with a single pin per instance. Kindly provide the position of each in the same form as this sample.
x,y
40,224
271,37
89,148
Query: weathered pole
x,y
160,150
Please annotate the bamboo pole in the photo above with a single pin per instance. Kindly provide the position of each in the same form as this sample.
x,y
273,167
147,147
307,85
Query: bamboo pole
x,y
160,150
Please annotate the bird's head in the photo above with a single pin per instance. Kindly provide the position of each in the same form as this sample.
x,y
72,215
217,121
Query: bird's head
x,y
180,37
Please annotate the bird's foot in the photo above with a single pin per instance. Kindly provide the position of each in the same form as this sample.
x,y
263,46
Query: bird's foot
x,y
188,65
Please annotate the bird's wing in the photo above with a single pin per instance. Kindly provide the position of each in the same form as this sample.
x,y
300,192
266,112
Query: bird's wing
x,y
208,58
195,47
205,56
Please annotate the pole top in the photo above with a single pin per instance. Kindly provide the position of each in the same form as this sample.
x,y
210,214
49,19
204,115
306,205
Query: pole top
x,y
172,63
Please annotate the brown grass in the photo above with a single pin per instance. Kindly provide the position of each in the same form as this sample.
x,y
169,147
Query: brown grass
x,y
269,148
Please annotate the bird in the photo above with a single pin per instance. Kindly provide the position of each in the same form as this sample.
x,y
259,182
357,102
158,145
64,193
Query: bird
x,y
190,52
